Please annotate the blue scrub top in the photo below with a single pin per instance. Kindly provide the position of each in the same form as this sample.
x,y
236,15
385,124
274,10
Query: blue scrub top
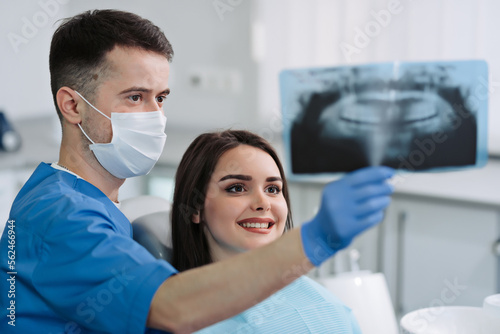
x,y
77,269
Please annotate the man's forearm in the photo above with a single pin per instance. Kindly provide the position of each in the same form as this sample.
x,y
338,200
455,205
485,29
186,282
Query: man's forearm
x,y
202,296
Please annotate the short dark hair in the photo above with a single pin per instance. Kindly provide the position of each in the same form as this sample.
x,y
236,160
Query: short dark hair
x,y
80,44
189,243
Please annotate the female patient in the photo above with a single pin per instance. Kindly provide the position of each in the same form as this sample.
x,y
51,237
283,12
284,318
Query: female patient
x,y
234,198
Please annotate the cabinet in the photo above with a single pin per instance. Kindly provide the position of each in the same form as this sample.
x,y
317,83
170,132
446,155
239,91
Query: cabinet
x,y
439,252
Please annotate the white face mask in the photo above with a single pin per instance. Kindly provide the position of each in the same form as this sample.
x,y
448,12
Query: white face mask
x,y
137,143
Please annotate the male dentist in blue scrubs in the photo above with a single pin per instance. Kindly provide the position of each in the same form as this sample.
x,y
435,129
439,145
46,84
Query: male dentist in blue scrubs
x,y
73,266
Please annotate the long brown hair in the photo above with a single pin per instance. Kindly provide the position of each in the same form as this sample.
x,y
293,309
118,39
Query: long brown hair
x,y
190,245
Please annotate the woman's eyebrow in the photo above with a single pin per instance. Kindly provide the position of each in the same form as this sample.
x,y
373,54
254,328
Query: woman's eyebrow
x,y
236,176
248,178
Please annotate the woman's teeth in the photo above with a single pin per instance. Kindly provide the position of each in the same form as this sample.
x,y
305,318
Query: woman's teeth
x,y
255,225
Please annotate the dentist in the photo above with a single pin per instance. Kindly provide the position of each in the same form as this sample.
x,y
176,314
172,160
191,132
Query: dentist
x,y
77,268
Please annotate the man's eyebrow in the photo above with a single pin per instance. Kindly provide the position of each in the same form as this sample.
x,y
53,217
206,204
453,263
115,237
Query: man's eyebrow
x,y
142,89
236,176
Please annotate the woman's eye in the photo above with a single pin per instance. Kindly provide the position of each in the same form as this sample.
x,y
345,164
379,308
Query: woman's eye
x,y
236,188
274,190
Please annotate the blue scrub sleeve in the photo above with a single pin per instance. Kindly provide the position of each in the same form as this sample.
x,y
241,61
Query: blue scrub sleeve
x,y
93,274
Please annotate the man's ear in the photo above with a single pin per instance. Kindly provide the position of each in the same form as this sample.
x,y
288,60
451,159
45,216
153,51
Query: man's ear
x,y
67,102
195,217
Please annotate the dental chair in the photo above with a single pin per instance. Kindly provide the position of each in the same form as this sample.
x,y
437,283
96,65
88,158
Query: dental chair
x,y
367,294
150,218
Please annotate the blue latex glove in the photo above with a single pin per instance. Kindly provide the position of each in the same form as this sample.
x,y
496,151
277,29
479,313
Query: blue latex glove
x,y
348,207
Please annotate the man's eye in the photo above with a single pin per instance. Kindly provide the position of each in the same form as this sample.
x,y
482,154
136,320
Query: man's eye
x,y
161,99
235,188
135,98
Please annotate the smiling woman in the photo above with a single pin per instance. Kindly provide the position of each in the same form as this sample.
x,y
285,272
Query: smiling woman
x,y
231,196
246,208
231,181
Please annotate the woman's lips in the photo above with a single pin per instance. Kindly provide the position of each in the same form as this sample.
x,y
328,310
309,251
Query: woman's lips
x,y
257,225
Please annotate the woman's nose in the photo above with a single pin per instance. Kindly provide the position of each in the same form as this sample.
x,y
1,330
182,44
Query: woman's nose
x,y
261,202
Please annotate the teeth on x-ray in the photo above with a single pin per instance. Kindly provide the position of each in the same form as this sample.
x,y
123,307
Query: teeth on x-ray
x,y
412,116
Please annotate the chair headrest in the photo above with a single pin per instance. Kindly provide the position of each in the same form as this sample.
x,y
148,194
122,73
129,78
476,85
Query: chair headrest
x,y
152,231
147,239
157,223
139,206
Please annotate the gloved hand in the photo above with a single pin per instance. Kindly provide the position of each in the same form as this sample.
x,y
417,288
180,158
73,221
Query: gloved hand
x,y
348,207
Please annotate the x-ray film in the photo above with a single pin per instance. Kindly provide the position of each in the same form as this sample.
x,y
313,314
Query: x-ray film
x,y
409,116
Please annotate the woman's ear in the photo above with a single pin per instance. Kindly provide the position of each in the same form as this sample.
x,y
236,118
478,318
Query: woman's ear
x,y
195,217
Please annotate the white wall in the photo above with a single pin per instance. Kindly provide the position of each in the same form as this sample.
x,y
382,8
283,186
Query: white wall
x,y
26,30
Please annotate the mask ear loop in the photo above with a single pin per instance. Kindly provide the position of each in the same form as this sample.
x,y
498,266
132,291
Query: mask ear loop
x,y
100,112
85,134
90,104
